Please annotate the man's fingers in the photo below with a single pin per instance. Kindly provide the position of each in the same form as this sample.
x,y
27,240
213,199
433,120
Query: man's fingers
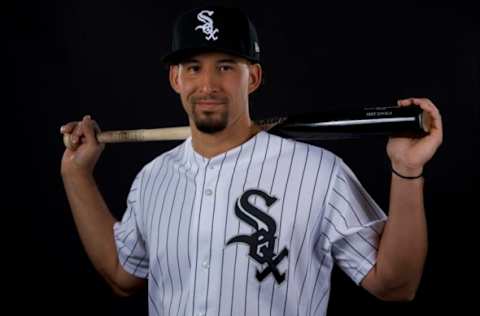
x,y
423,103
90,128
405,102
81,132
77,133
68,128
428,106
436,125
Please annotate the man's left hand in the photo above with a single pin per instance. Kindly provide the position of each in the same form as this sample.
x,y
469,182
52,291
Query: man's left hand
x,y
409,155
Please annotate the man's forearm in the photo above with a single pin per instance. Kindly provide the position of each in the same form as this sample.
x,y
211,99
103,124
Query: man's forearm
x,y
403,245
94,222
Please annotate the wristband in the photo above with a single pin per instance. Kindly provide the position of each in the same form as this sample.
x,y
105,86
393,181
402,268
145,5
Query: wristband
x,y
405,177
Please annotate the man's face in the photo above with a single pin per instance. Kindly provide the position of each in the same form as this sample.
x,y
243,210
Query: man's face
x,y
214,89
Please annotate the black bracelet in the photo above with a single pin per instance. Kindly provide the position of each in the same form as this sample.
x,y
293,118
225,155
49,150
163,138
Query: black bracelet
x,y
405,177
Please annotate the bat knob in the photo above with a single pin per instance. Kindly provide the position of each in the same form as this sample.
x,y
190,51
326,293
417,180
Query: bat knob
x,y
67,141
426,122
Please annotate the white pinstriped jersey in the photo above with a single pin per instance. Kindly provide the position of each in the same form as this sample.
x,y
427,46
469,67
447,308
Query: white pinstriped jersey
x,y
253,231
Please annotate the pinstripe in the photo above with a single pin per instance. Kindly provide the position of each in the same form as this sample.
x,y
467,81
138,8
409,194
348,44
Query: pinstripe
x,y
315,285
160,160
186,303
347,226
346,241
152,301
281,215
120,234
189,228
304,236
316,278
226,221
349,204
162,208
371,208
316,281
198,230
160,271
310,210
284,194
353,210
211,229
321,299
319,221
178,234
127,216
291,275
170,157
191,213
248,267
147,205
126,237
270,192
168,236
238,230
152,208
131,202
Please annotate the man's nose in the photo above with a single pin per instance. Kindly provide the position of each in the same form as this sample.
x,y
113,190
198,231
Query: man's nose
x,y
209,82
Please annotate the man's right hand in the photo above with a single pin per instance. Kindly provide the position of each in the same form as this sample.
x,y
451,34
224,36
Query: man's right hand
x,y
83,158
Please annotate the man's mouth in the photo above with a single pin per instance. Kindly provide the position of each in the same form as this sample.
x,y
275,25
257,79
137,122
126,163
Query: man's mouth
x,y
208,104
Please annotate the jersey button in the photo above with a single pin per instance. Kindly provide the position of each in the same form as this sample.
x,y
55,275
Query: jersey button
x,y
208,192
211,167
205,264
201,314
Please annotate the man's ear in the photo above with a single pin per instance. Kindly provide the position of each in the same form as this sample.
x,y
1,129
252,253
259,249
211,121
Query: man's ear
x,y
173,77
255,77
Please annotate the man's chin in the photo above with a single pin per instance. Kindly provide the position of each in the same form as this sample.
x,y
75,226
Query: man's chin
x,y
210,123
210,128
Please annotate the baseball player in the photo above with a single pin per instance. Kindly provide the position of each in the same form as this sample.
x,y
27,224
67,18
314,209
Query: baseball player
x,y
237,221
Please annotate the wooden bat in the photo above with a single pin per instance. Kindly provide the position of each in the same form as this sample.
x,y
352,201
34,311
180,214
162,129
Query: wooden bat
x,y
409,121
154,134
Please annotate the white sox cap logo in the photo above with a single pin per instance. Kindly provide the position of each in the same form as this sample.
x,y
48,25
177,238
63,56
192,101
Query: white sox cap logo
x,y
207,27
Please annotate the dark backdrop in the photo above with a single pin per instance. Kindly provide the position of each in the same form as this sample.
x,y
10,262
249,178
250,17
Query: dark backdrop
x,y
70,58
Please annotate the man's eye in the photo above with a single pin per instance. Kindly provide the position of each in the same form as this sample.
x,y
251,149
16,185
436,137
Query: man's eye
x,y
225,67
193,68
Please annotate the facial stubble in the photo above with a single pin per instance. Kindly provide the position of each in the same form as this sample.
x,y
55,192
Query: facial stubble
x,y
210,122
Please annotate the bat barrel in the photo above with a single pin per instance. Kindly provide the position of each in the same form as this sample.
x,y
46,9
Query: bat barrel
x,y
408,121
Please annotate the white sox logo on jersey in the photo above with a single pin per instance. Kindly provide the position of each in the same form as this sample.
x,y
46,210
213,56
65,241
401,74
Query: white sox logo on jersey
x,y
207,26
261,242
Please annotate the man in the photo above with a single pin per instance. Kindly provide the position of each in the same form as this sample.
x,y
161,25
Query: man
x,y
237,221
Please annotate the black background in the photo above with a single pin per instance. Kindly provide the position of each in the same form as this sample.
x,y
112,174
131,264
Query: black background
x,y
66,59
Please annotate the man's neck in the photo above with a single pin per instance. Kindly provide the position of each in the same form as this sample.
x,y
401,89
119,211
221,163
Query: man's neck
x,y
210,145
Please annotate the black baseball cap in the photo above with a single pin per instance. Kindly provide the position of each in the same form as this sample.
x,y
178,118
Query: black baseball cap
x,y
213,28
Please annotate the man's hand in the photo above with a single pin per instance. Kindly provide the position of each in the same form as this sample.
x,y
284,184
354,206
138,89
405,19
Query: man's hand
x,y
87,150
409,155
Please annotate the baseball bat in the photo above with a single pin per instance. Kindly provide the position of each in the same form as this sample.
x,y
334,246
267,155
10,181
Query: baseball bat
x,y
408,121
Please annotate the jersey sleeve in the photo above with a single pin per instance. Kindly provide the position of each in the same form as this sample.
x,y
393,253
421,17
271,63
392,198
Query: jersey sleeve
x,y
353,223
131,249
